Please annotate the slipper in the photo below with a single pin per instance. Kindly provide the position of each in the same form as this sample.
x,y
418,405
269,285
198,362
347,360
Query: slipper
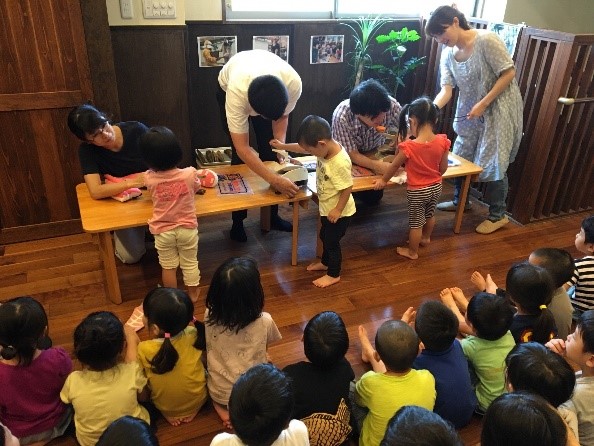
x,y
488,226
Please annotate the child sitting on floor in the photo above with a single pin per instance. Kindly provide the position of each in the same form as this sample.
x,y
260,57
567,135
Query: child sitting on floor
x,y
111,381
417,426
532,367
442,355
392,383
322,385
31,378
559,264
519,419
579,348
488,317
172,358
260,408
238,332
583,276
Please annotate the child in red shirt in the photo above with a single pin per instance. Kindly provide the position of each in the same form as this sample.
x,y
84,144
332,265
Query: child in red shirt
x,y
425,158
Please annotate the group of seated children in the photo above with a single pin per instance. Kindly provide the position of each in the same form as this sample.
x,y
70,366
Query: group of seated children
x,y
424,383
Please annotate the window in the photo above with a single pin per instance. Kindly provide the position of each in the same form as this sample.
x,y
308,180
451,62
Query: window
x,y
327,9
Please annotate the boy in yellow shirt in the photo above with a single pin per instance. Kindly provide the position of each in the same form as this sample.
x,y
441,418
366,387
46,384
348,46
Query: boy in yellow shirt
x,y
393,383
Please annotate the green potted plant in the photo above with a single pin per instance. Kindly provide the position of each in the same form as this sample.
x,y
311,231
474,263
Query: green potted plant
x,y
364,29
399,68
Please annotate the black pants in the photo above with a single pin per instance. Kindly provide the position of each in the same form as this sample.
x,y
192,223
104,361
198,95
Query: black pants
x,y
263,131
331,234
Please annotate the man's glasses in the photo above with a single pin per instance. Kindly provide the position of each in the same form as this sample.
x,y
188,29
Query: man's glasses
x,y
98,133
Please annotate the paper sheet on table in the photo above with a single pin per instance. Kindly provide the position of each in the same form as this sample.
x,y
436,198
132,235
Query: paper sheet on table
x,y
453,162
400,177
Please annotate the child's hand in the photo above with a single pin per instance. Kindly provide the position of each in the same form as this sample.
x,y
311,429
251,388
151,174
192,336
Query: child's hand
x,y
409,316
277,144
130,334
379,184
557,346
334,215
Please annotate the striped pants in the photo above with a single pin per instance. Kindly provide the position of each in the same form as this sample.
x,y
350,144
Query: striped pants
x,y
421,204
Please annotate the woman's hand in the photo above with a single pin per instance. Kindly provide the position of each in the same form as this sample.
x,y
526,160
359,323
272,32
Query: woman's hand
x,y
477,110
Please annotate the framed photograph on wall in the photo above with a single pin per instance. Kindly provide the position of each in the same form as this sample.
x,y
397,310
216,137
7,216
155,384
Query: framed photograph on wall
x,y
278,45
215,51
326,49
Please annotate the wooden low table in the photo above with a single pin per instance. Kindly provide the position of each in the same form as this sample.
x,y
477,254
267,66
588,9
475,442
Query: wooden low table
x,y
102,216
469,171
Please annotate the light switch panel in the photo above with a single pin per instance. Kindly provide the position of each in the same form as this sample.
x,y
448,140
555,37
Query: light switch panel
x,y
158,9
126,9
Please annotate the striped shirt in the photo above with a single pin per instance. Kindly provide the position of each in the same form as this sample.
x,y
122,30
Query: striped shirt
x,y
583,280
354,135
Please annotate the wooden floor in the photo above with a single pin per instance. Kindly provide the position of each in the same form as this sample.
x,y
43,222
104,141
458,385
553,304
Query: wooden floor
x,y
376,284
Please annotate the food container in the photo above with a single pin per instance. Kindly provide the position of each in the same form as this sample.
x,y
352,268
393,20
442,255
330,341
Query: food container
x,y
213,156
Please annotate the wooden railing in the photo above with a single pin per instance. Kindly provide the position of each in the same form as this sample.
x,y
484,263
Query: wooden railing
x,y
554,171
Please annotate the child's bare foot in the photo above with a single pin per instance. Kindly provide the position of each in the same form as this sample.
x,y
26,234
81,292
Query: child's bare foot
x,y
459,298
325,281
447,298
317,266
405,252
425,241
478,280
366,347
223,415
176,421
491,286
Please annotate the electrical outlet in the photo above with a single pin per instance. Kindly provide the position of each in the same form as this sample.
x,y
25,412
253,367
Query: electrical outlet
x,y
126,9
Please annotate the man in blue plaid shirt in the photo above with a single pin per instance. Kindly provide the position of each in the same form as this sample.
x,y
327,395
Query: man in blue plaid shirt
x,y
354,123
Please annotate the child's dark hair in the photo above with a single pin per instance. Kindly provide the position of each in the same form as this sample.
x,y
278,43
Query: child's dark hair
x,y
531,288
235,297
325,339
99,340
585,324
313,129
588,227
521,418
436,325
558,262
85,120
22,324
532,367
397,345
261,404
369,98
441,18
417,426
490,315
160,149
128,430
423,109
268,96
171,310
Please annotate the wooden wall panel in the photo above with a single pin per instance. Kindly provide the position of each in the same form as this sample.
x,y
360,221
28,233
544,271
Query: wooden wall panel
x,y
150,65
44,52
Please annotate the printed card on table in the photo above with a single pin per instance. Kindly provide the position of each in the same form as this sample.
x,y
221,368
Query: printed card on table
x,y
233,184
358,171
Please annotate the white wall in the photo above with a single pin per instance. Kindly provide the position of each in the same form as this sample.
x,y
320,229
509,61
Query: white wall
x,y
572,16
185,10
575,16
